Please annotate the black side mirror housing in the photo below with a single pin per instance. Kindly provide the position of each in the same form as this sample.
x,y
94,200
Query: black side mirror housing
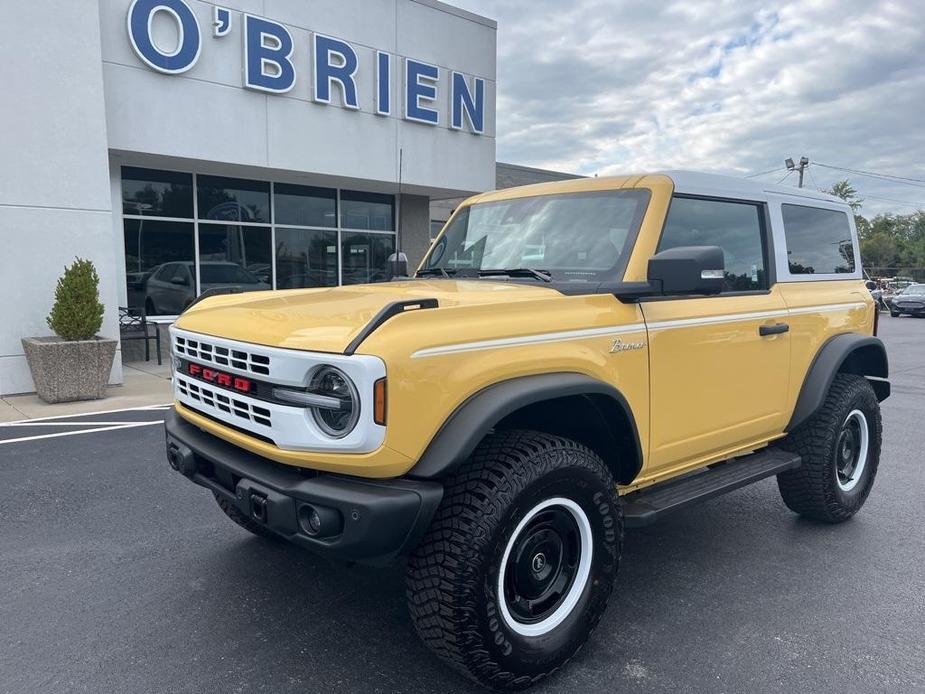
x,y
688,270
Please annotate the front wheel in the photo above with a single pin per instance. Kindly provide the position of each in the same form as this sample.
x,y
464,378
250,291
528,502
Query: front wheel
x,y
840,448
519,562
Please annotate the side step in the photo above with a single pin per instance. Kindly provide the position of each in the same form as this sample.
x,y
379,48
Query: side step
x,y
646,506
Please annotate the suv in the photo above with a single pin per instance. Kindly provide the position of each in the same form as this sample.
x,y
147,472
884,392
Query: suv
x,y
570,359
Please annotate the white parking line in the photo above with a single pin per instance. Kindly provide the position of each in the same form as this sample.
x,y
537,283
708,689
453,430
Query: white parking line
x,y
89,414
27,424
131,425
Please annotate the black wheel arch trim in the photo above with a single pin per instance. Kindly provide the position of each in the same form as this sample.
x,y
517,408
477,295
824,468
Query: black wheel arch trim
x,y
479,413
860,354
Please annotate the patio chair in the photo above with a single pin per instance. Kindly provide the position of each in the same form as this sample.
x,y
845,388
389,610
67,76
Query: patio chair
x,y
133,325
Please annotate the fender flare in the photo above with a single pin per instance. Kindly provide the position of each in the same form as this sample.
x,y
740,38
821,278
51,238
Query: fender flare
x,y
479,413
849,353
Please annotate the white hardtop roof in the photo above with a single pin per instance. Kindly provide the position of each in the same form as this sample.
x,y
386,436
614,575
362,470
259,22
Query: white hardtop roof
x,y
695,183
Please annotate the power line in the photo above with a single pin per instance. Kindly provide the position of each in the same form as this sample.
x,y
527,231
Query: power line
x,y
763,173
813,178
905,180
916,205
785,177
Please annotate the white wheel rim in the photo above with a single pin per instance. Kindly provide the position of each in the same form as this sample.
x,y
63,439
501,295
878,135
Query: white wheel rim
x,y
848,482
578,584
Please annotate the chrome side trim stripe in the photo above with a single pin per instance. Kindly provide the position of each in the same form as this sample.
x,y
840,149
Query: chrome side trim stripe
x,y
623,329
530,340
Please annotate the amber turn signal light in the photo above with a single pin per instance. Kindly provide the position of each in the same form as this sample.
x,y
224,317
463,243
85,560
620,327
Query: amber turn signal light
x,y
379,402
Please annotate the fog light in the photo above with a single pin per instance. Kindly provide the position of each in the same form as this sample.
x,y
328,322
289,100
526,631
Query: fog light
x,y
314,522
318,521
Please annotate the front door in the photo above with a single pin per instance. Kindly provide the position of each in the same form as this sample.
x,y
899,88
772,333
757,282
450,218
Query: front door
x,y
718,365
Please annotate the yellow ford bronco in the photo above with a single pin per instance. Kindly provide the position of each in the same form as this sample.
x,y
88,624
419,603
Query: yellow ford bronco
x,y
568,360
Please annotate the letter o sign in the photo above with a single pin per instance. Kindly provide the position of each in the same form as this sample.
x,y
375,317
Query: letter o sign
x,y
140,19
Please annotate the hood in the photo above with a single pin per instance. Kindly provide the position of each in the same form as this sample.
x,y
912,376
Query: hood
x,y
326,320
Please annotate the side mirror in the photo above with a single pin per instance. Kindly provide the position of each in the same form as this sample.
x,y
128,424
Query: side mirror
x,y
688,270
870,284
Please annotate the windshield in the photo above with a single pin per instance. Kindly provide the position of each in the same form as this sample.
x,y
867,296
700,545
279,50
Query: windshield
x,y
573,236
227,274
914,289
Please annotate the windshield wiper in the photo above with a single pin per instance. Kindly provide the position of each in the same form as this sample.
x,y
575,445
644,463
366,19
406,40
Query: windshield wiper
x,y
434,271
541,275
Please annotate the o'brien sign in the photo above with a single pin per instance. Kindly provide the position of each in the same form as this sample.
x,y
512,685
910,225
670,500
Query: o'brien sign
x,y
268,66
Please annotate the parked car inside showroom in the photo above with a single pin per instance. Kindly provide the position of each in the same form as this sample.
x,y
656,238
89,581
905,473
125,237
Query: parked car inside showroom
x,y
172,286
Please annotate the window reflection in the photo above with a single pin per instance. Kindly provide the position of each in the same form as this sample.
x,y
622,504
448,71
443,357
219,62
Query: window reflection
x,y
159,264
235,236
373,211
306,258
157,193
365,257
233,199
231,255
304,206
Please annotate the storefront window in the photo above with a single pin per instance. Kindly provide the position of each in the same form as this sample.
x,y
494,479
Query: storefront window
x,y
229,238
304,206
373,211
365,257
159,265
306,258
233,199
231,255
150,193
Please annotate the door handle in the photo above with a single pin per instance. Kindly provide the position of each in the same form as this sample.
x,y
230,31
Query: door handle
x,y
776,329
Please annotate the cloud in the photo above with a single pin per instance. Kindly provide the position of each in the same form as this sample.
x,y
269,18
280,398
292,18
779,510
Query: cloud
x,y
732,86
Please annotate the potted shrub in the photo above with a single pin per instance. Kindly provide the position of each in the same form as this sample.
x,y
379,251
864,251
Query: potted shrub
x,y
76,364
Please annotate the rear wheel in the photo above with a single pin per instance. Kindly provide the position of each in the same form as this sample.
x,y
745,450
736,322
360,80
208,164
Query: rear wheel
x,y
519,562
245,521
840,447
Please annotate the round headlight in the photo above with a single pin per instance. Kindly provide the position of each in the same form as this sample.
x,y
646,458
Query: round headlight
x,y
331,382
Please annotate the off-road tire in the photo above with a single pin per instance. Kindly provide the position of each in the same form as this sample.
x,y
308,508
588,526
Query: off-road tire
x,y
454,574
246,522
812,490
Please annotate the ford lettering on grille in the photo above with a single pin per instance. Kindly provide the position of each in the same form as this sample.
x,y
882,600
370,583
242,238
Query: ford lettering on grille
x,y
219,378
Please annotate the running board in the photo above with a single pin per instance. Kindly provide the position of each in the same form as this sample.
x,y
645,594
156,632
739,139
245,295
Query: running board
x,y
646,506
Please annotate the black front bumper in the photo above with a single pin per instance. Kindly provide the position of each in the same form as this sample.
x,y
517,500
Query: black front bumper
x,y
368,521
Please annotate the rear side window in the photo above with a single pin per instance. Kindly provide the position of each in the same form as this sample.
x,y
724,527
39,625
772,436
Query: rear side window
x,y
818,241
733,226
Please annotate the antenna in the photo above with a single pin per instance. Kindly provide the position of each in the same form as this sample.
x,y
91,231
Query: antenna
x,y
401,153
398,261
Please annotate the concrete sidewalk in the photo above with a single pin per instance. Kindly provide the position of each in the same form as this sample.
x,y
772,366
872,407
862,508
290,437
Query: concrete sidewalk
x,y
144,383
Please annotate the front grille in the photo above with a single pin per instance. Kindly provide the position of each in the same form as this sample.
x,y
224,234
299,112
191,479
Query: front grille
x,y
201,350
222,402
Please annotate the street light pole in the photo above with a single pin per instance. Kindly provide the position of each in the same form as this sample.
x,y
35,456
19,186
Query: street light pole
x,y
804,162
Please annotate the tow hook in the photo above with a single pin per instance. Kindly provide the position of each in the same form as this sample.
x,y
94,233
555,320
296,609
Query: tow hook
x,y
181,458
259,507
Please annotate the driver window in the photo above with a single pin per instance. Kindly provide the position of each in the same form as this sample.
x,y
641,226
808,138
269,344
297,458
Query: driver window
x,y
733,226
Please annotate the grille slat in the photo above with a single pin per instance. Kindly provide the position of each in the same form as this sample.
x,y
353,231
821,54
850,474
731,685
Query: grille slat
x,y
221,402
250,362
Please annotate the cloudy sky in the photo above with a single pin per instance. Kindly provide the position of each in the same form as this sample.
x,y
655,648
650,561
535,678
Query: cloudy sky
x,y
733,86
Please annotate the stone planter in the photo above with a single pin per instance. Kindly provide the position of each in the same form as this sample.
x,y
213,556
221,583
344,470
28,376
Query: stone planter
x,y
67,371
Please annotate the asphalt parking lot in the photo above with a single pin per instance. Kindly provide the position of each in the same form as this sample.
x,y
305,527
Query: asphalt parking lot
x,y
118,575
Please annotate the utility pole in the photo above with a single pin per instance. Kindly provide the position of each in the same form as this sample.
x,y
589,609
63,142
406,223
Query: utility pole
x,y
804,162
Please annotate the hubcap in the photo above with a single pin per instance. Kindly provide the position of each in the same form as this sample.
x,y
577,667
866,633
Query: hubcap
x,y
545,566
851,447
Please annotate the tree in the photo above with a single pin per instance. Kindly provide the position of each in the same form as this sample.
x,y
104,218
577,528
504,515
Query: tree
x,y
847,192
77,313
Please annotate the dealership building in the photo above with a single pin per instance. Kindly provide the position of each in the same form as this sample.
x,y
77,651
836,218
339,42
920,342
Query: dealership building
x,y
183,145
